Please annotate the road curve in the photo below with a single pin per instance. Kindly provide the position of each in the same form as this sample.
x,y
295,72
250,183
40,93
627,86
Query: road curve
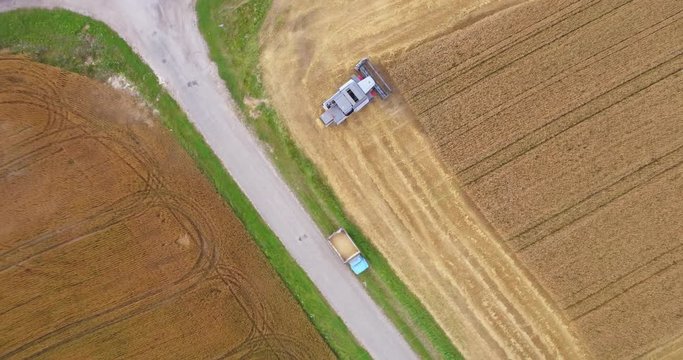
x,y
166,36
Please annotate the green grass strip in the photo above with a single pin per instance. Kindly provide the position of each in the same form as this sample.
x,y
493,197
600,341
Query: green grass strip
x,y
231,29
89,47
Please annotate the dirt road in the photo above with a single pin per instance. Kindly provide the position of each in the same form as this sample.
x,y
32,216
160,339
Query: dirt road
x,y
167,38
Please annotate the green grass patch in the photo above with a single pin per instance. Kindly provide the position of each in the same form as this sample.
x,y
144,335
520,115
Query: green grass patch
x,y
89,47
231,29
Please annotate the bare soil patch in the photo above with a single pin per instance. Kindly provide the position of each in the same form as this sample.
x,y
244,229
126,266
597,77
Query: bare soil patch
x,y
563,121
113,244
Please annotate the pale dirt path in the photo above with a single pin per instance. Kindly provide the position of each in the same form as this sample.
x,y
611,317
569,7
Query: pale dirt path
x,y
392,183
167,38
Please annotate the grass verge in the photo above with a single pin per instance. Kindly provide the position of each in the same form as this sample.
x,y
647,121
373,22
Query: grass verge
x,y
231,29
89,47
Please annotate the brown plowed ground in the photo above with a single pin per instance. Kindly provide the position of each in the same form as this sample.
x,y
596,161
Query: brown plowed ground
x,y
113,244
563,121
391,181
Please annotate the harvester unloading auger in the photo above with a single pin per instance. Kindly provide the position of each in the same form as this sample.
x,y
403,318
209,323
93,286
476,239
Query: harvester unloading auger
x,y
355,93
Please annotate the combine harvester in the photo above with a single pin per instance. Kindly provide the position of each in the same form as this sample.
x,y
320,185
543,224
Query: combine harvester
x,y
355,94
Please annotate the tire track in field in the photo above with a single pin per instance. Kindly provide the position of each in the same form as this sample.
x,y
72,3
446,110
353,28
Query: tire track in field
x,y
41,152
414,224
638,275
234,280
254,308
484,282
26,78
395,229
126,206
29,81
260,347
576,22
492,162
53,123
598,199
189,214
539,136
197,268
143,302
603,302
544,139
454,107
667,349
478,167
624,56
153,193
496,269
499,305
141,163
132,206
514,39
438,97
591,115
44,151
486,312
623,145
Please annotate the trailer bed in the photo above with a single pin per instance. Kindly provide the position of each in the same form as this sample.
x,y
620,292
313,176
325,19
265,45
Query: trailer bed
x,y
344,246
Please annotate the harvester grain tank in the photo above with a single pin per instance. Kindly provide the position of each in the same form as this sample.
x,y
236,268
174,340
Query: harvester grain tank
x,y
355,94
348,251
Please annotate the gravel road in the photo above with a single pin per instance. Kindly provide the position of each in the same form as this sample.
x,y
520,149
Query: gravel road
x,y
166,36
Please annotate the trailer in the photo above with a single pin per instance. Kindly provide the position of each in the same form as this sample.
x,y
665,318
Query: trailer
x,y
348,252
355,94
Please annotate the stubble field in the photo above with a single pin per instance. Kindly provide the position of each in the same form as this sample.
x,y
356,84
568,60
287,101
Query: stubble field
x,y
113,244
563,122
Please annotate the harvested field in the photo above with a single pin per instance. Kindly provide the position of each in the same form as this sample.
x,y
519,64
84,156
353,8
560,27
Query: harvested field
x,y
113,244
392,183
563,122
